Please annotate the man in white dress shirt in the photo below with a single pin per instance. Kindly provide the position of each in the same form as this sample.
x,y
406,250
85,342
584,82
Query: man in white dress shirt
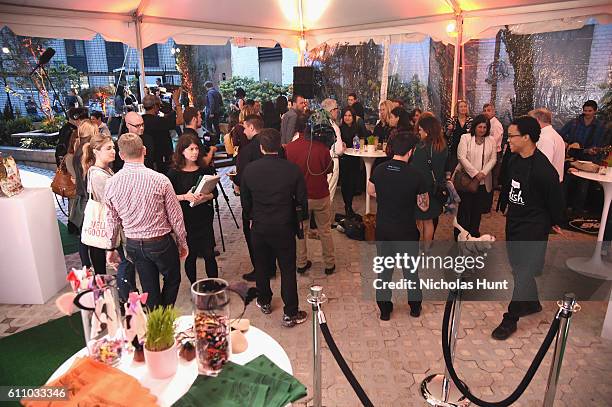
x,y
497,134
550,142
337,149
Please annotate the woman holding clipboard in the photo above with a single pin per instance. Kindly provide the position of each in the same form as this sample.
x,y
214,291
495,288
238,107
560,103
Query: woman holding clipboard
x,y
191,161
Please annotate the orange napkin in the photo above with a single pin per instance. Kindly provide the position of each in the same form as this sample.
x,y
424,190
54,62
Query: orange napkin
x,y
92,383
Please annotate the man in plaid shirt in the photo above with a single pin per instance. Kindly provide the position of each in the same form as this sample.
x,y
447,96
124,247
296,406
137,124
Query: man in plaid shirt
x,y
143,202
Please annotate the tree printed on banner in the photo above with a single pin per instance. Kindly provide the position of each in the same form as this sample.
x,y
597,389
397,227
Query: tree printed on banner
x,y
520,52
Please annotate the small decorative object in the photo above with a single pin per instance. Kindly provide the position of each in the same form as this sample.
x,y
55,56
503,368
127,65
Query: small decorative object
x,y
211,324
136,323
96,297
160,346
241,325
371,144
239,342
10,181
586,166
188,351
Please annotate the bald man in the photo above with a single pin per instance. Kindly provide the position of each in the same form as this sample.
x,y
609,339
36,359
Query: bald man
x,y
135,124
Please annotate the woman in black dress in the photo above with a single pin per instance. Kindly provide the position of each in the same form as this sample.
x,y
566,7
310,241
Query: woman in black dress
x,y
190,161
349,164
457,126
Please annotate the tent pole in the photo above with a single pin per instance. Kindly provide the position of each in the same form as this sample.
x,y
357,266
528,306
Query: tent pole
x,y
457,61
142,81
385,69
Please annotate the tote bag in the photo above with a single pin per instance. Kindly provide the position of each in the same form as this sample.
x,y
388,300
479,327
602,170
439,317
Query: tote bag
x,y
93,232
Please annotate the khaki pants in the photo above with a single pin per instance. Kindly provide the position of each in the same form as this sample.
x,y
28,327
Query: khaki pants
x,y
322,215
332,179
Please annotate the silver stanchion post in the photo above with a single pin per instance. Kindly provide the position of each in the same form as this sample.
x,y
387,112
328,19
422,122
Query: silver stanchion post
x,y
566,309
316,298
438,389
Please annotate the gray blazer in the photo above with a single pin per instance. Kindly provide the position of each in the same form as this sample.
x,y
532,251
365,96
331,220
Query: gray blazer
x,y
288,126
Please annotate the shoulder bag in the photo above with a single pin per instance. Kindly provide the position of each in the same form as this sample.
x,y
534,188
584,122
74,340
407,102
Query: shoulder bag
x,y
440,192
462,180
62,183
93,232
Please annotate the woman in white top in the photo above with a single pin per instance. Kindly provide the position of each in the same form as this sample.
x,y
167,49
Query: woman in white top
x,y
98,157
477,154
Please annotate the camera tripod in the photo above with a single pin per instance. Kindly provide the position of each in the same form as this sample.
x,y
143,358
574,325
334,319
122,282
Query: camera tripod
x,y
216,201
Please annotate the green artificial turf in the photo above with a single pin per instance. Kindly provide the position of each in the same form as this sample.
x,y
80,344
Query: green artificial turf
x,y
28,358
70,243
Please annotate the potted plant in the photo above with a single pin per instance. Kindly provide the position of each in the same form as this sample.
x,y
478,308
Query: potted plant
x,y
371,144
160,346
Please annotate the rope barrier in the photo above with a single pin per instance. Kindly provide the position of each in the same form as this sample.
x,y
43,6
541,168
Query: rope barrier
x,y
363,397
535,364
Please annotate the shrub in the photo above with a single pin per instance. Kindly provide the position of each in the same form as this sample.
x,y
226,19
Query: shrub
x,y
254,89
18,125
53,124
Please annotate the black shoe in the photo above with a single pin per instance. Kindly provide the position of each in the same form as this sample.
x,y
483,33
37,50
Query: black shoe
x,y
330,270
217,253
250,276
386,308
265,308
290,322
415,310
504,330
302,270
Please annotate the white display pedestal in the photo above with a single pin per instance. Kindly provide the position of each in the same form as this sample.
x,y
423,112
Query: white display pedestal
x,y
368,159
32,267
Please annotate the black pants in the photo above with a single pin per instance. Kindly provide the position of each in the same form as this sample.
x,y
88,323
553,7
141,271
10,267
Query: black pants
x,y
527,261
93,257
349,178
470,210
212,269
152,259
246,229
212,125
271,244
389,244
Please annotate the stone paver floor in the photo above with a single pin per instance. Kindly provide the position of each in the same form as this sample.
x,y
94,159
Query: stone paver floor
x,y
390,359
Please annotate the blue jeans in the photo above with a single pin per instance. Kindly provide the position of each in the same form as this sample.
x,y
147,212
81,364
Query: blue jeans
x,y
152,259
126,276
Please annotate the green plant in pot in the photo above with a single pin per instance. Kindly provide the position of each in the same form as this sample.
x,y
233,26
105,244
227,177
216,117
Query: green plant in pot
x,y
160,346
372,143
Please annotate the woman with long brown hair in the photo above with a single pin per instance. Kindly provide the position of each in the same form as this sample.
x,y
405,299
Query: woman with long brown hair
x,y
430,158
86,130
190,161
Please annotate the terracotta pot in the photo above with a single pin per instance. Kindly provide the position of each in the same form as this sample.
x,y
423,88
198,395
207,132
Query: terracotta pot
x,y
162,364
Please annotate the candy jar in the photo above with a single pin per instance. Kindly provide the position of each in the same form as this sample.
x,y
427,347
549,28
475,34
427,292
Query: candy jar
x,y
211,314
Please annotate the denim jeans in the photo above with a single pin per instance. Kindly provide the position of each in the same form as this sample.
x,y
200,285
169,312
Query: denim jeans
x,y
126,276
152,259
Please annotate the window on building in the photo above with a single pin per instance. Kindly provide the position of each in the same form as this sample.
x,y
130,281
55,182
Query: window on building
x,y
114,55
270,64
75,54
151,56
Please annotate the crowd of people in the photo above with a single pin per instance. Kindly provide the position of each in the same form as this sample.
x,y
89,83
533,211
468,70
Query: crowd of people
x,y
289,161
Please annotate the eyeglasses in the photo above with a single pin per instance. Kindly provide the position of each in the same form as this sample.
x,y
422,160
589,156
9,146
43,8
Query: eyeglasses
x,y
136,125
514,135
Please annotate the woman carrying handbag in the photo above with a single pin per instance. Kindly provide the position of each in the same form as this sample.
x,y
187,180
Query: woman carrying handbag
x,y
473,179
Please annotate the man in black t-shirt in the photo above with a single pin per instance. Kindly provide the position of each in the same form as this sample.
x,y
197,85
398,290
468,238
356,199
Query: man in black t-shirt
x,y
535,204
399,189
158,128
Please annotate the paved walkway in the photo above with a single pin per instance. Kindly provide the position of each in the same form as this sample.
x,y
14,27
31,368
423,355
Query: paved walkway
x,y
390,359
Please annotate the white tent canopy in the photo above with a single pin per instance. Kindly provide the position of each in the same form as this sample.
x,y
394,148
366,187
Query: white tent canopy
x,y
265,22
140,23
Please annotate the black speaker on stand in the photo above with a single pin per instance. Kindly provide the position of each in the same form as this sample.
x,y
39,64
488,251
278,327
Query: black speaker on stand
x,y
303,81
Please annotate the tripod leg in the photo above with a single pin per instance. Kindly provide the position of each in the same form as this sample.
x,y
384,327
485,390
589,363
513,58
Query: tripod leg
x,y
220,227
228,204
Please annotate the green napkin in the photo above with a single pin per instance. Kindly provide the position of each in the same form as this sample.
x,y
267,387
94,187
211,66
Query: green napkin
x,y
223,392
264,365
258,383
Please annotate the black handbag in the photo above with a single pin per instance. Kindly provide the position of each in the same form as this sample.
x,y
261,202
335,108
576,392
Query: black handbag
x,y
440,192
